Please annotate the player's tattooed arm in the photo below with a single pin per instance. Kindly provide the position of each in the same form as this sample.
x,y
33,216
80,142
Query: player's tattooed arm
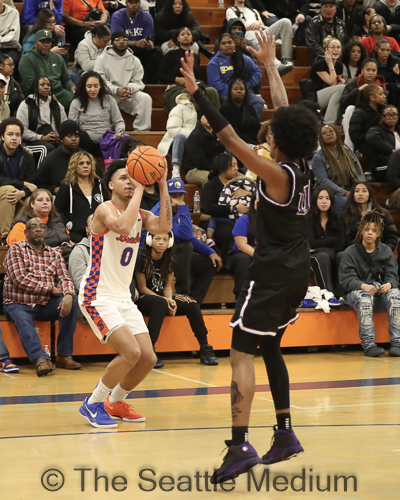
x,y
278,91
236,399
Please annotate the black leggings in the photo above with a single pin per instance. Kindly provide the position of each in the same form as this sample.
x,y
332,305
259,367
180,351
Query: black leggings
x,y
156,308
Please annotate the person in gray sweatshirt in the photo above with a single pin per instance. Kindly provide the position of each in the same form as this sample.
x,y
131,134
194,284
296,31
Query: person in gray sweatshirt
x,y
123,74
369,276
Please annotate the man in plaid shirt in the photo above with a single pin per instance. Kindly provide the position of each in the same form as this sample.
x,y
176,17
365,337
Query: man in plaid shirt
x,y
37,287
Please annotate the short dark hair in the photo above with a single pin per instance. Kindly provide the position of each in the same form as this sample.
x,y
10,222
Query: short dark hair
x,y
129,144
112,168
295,131
10,121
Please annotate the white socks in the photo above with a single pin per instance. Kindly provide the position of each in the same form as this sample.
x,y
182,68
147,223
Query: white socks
x,y
100,393
118,394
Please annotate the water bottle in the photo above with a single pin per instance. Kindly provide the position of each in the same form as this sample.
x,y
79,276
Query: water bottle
x,y
47,350
295,27
196,203
221,4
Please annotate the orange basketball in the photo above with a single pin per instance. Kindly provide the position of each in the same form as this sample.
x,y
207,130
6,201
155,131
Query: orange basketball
x,y
146,164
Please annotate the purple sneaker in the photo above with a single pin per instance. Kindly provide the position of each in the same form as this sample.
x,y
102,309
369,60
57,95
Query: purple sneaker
x,y
285,445
239,459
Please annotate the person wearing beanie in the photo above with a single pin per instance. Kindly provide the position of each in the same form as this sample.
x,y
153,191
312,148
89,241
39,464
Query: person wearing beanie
x,y
123,74
55,166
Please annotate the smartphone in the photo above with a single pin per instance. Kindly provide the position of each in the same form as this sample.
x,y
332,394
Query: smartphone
x,y
239,34
67,46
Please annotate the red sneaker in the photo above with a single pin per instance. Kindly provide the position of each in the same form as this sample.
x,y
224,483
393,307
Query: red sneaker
x,y
123,410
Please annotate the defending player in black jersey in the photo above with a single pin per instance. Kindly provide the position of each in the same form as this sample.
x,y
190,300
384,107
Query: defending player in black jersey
x,y
278,277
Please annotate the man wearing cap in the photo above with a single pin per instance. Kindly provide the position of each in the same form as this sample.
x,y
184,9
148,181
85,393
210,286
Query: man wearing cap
x,y
139,28
201,267
324,24
123,74
41,61
54,167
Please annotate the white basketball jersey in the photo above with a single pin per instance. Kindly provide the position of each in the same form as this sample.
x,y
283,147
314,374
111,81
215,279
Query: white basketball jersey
x,y
112,264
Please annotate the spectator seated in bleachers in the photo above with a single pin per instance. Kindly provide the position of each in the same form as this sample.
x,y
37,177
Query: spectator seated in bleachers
x,y
368,273
7,365
80,193
390,11
46,21
388,67
245,241
31,11
239,113
326,75
79,18
324,24
369,107
194,272
41,116
229,62
361,26
335,166
263,138
353,55
201,147
253,21
139,27
39,61
383,140
17,173
347,11
170,71
393,179
13,94
4,107
225,169
96,111
37,287
90,48
40,205
378,30
325,234
154,277
295,10
361,200
181,122
9,31
123,74
55,166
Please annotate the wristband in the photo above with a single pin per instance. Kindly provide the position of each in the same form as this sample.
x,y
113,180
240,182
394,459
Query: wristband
x,y
214,117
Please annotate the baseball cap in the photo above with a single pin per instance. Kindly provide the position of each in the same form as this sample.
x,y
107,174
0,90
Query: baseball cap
x,y
176,186
43,35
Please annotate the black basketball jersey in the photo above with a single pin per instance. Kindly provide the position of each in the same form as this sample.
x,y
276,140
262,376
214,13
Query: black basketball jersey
x,y
282,250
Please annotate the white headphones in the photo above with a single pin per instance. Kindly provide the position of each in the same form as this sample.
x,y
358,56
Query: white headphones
x,y
149,239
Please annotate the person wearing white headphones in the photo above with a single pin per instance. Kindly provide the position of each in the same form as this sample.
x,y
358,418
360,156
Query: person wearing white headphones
x,y
154,273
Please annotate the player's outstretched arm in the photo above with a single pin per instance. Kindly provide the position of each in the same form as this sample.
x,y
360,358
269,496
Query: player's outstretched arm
x,y
163,222
273,174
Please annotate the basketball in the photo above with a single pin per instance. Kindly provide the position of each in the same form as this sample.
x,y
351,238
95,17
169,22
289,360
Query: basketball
x,y
146,164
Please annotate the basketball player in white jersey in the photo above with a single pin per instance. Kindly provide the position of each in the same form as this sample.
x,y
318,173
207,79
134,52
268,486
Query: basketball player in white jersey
x,y
105,297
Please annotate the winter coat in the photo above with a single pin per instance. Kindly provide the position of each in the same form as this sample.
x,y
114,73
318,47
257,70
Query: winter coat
x,y
350,91
381,143
201,148
317,30
120,71
86,54
181,120
97,119
26,171
364,117
31,8
9,19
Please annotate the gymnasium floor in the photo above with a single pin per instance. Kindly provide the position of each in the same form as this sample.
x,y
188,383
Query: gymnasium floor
x,y
346,409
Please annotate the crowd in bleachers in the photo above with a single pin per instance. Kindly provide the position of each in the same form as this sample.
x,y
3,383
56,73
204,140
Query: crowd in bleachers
x,y
71,70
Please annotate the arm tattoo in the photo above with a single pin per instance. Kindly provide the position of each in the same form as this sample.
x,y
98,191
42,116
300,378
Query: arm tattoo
x,y
236,399
168,210
277,89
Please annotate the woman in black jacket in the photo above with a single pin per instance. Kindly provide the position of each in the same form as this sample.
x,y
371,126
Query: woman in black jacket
x,y
325,234
13,95
360,201
80,193
389,68
383,140
367,114
240,114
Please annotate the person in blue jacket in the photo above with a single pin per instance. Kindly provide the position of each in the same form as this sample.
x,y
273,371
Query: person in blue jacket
x,y
193,258
228,63
31,8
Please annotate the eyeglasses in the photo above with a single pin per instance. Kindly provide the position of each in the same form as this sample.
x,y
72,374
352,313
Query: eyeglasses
x,y
12,65
394,115
51,22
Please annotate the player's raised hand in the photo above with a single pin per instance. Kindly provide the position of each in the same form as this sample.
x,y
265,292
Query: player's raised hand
x,y
266,54
188,72
134,182
163,178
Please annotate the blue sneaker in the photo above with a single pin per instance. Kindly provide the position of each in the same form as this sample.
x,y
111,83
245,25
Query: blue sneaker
x,y
97,415
308,303
8,366
335,303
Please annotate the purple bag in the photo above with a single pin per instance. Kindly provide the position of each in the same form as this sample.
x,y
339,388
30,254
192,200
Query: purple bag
x,y
110,147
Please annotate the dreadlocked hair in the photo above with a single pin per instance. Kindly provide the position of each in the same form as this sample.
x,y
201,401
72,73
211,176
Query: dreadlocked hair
x,y
372,217
343,168
166,261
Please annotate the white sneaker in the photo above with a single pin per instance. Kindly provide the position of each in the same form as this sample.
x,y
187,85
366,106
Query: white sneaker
x,y
176,172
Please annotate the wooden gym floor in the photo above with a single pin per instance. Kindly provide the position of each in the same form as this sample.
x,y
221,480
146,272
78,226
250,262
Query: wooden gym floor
x,y
345,407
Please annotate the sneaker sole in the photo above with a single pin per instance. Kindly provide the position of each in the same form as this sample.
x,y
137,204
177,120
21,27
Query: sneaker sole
x,y
142,419
293,455
11,370
98,426
42,373
227,477
213,363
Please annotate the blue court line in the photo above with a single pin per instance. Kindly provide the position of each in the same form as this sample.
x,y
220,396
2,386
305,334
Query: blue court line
x,y
92,432
199,391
